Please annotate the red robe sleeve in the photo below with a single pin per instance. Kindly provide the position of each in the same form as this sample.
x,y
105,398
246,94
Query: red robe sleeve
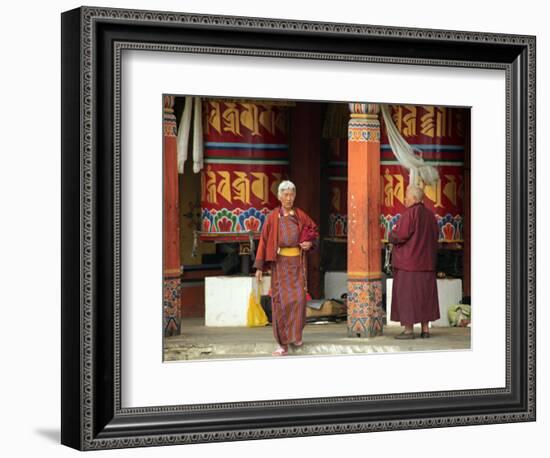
x,y
260,254
403,230
307,220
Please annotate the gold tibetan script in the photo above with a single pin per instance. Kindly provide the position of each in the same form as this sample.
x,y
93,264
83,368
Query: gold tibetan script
x,y
435,122
260,186
250,119
405,119
211,195
213,117
241,187
434,194
219,184
392,190
224,186
231,121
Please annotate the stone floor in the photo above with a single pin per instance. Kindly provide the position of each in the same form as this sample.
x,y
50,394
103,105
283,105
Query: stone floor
x,y
200,342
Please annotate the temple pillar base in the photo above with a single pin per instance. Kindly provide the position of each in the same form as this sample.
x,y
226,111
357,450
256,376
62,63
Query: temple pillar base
x,y
171,312
365,311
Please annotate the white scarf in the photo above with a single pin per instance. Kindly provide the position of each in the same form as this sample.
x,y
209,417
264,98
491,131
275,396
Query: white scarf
x,y
193,106
406,155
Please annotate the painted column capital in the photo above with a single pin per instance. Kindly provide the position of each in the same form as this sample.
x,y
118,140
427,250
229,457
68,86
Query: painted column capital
x,y
364,123
169,101
364,110
169,118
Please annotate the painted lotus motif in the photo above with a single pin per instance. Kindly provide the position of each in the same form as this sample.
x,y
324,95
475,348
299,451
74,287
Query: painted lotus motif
x,y
225,224
252,220
251,224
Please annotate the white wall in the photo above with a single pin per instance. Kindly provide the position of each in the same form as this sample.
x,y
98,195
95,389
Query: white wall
x,y
30,228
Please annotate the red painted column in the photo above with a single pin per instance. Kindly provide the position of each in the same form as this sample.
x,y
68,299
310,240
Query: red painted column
x,y
171,237
365,312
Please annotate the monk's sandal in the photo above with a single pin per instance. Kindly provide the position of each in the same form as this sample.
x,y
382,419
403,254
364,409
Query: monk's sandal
x,y
405,336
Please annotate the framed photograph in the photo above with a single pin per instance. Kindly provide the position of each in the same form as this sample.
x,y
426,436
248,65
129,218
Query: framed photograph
x,y
187,138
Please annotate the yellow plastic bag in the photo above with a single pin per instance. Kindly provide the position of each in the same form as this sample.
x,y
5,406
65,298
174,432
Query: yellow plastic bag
x,y
256,315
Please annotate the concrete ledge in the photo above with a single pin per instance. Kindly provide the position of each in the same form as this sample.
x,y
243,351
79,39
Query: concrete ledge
x,y
199,342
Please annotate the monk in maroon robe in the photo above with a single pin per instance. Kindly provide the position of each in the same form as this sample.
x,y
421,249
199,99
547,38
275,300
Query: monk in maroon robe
x,y
280,250
414,293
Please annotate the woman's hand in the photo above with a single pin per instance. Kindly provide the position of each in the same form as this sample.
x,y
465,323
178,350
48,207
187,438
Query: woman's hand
x,y
306,245
259,274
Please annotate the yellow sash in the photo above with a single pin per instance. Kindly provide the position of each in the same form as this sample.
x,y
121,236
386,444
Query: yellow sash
x,y
289,251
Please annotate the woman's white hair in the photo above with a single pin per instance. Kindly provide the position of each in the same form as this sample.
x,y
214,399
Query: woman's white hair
x,y
416,193
284,186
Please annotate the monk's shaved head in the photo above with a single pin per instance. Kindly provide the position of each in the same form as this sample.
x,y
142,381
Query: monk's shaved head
x,y
416,193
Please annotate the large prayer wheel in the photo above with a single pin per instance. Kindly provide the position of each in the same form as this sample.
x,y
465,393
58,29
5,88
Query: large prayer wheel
x,y
438,134
246,156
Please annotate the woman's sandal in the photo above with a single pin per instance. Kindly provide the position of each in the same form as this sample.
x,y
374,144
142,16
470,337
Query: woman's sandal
x,y
298,344
280,352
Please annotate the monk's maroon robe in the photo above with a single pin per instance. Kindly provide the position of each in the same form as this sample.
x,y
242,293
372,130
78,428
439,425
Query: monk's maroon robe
x,y
414,292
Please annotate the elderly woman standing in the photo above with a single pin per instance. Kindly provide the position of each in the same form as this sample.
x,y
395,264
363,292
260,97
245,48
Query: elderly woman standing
x,y
281,250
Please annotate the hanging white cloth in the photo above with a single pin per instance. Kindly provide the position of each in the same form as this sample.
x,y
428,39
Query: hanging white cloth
x,y
198,146
406,154
183,133
191,109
